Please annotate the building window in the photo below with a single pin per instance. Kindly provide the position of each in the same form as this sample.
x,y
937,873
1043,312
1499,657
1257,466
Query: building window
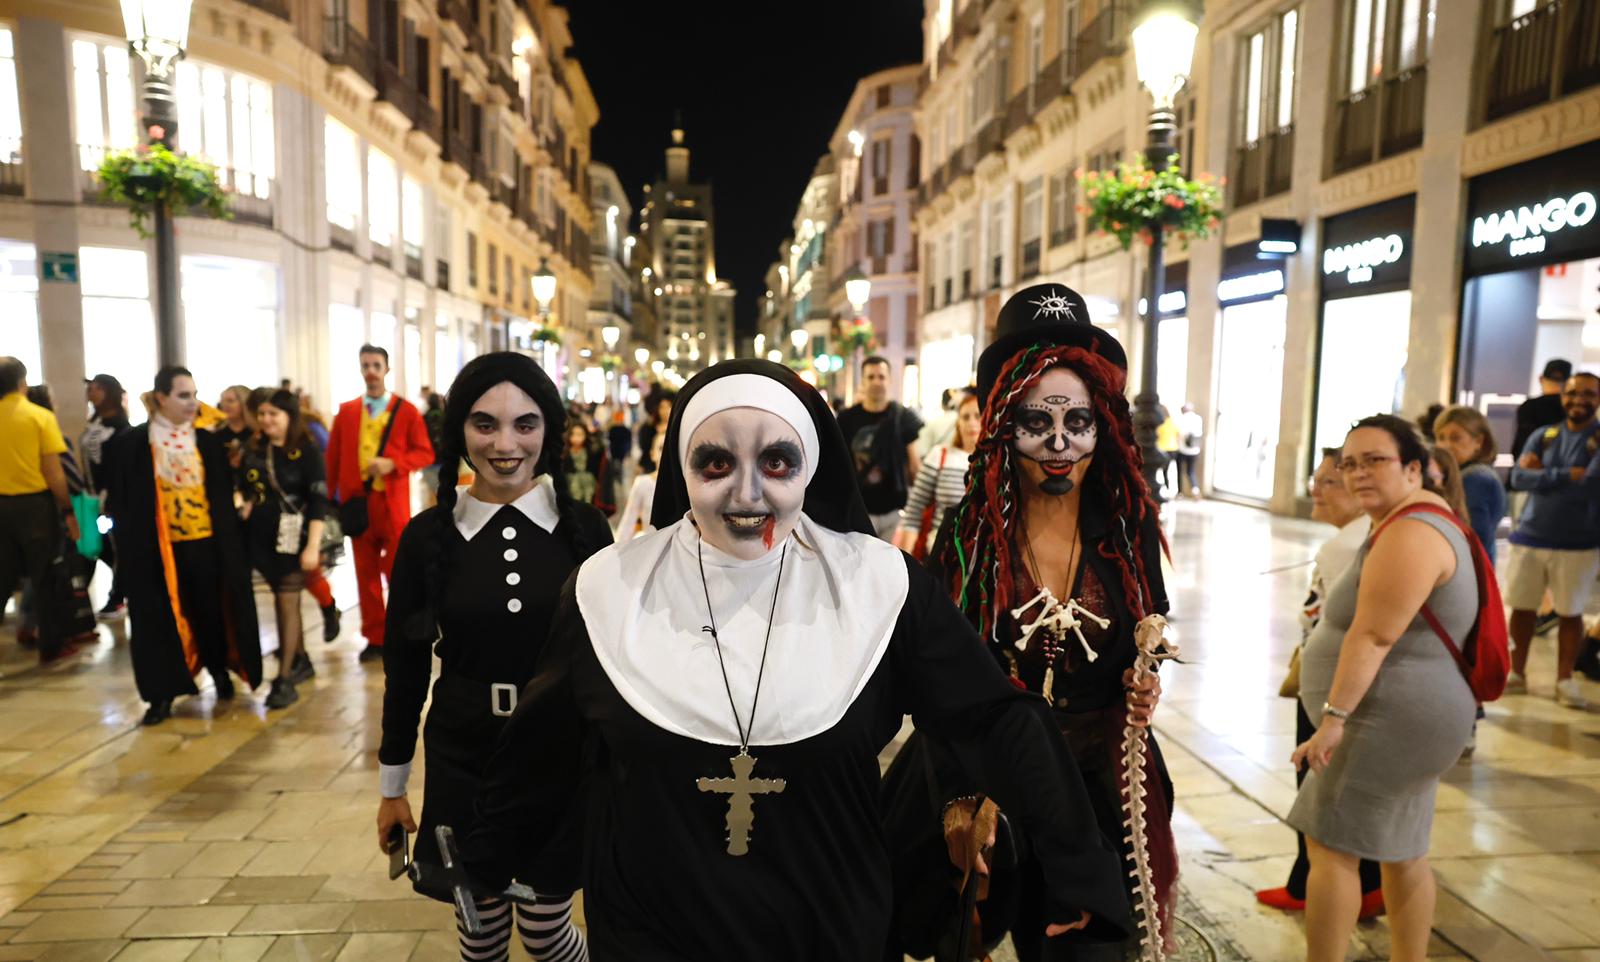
x,y
383,198
997,243
10,103
472,260
1063,203
102,89
1035,51
494,270
881,153
1387,37
1071,18
1032,226
1267,84
226,119
118,328
967,256
342,171
412,229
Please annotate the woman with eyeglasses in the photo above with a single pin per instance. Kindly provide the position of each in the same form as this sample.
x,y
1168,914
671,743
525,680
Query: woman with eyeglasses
x,y
1393,710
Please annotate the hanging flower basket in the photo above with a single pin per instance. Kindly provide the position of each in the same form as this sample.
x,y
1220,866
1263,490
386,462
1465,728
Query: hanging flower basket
x,y
149,176
859,335
610,363
1133,201
547,335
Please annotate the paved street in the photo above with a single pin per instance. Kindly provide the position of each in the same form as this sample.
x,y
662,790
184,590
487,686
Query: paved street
x,y
228,834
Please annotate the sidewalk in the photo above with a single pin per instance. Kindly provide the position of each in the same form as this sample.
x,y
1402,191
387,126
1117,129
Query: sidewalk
x,y
248,836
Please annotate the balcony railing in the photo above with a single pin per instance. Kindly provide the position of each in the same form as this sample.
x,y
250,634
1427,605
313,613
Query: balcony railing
x,y
426,119
345,46
501,76
1380,121
457,12
278,8
341,237
1262,167
395,88
251,196
1018,111
1104,36
990,137
413,255
1030,258
441,274
1530,64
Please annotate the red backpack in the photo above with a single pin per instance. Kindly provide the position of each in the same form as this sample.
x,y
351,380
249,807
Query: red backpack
x,y
1485,659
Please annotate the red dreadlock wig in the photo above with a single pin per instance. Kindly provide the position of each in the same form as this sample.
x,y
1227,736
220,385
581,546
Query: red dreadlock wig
x,y
979,556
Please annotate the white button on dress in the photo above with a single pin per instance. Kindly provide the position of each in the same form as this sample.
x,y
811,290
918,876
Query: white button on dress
x,y
511,554
509,533
514,605
513,578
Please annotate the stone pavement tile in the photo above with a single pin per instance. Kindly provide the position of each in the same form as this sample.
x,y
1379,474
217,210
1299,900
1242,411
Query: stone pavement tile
x,y
351,855
159,860
53,903
366,887
36,866
99,887
436,946
98,951
228,825
152,893
158,950
121,848
154,835
23,953
1546,900
271,889
99,860
221,859
322,947
1565,955
233,948
15,920
417,915
282,858
79,924
48,831
378,946
85,874
197,921
295,918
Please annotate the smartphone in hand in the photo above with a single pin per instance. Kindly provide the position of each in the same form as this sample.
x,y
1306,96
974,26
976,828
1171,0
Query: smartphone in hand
x,y
399,852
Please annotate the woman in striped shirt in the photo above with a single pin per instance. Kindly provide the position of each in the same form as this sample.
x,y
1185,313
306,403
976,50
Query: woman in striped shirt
x,y
941,482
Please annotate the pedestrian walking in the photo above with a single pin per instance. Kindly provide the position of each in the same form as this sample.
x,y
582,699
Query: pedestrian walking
x,y
1465,433
35,501
316,583
583,464
1191,435
882,437
1332,504
378,439
108,420
478,578
1556,543
635,517
1545,408
433,419
238,422
619,445
284,484
660,407
190,603
941,482
1392,707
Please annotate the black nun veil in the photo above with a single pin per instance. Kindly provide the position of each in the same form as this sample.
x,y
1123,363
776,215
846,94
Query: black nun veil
x,y
832,498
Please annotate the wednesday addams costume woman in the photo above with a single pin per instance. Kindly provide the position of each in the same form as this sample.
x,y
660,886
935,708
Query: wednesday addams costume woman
x,y
718,719
477,583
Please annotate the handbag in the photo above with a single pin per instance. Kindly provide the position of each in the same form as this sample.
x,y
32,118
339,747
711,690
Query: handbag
x,y
291,523
68,590
353,517
919,549
1291,682
86,508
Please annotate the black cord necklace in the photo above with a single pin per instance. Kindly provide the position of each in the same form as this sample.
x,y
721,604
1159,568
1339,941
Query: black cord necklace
x,y
741,789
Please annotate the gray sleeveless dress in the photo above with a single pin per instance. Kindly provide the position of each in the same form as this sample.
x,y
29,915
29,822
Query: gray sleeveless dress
x,y
1375,799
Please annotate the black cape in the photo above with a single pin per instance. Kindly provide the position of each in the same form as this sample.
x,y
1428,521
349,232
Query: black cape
x,y
160,666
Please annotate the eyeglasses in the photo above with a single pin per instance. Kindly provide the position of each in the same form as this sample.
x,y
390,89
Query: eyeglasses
x,y
1367,462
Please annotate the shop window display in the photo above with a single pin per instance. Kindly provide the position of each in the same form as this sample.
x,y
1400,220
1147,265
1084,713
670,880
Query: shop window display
x,y
119,331
230,311
1249,397
1362,368
19,305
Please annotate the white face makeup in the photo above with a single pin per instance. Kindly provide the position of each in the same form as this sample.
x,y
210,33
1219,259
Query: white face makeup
x,y
182,404
745,471
1055,429
504,436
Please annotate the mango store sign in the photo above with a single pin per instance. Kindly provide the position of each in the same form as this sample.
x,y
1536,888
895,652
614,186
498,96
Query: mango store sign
x,y
1526,230
1356,261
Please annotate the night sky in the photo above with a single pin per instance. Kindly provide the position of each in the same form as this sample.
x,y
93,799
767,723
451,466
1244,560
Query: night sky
x,y
761,85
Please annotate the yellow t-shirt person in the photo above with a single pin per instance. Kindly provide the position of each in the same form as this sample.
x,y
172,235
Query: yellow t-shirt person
x,y
28,432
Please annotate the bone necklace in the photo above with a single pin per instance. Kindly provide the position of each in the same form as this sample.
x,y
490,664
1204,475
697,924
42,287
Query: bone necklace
x,y
1055,618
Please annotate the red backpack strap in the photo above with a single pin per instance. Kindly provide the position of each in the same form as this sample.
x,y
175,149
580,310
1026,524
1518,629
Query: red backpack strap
x,y
1472,549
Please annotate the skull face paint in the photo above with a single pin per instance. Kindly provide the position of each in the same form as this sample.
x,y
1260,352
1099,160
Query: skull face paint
x,y
745,473
1055,431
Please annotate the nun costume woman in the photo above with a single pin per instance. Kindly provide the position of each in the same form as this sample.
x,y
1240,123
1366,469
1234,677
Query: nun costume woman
x,y
713,697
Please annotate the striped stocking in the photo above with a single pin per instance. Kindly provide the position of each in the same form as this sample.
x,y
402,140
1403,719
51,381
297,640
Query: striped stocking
x,y
494,945
548,933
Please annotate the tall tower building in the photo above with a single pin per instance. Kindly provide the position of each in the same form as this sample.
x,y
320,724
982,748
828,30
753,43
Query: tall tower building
x,y
693,315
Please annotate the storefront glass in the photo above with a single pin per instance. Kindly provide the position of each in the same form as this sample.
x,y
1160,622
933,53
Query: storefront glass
x,y
119,331
230,312
346,334
19,306
1249,397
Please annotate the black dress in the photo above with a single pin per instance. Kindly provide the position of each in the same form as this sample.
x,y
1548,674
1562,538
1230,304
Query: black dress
x,y
658,881
494,610
302,481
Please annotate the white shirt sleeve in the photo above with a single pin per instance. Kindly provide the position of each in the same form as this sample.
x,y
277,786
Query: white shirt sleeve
x,y
392,779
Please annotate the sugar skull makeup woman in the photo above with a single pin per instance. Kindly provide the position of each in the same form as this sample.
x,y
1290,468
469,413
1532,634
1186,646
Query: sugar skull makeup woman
x,y
1054,556
721,687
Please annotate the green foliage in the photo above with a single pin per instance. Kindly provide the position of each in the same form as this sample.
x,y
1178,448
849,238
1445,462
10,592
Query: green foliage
x,y
548,335
1133,201
149,176
859,335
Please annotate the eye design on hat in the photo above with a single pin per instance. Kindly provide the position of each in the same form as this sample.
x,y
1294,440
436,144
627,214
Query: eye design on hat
x,y
1053,305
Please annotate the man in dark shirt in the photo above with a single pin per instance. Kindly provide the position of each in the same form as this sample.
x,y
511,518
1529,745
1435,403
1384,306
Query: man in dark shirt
x,y
882,437
1546,409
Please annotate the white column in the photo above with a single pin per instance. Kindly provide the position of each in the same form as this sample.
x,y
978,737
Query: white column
x,y
45,76
1441,203
302,221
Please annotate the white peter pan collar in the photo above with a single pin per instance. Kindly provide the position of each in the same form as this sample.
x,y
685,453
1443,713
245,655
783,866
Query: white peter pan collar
x,y
537,505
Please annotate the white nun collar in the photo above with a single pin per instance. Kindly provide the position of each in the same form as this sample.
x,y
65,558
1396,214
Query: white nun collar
x,y
537,505
644,607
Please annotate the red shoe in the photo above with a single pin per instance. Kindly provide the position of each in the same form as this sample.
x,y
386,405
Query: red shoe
x,y
1280,899
1371,905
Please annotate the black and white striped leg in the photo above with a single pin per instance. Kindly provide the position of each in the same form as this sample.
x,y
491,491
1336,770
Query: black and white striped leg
x,y
548,933
494,944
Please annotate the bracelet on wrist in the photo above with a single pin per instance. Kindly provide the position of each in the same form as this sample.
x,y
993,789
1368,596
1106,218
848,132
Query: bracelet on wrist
x,y
1329,711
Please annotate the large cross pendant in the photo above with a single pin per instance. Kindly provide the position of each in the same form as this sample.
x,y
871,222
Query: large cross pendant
x,y
741,790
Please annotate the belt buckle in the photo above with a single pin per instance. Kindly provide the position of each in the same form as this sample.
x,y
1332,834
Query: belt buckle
x,y
502,699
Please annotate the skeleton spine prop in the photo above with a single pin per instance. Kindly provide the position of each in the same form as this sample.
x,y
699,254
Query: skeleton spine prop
x,y
981,561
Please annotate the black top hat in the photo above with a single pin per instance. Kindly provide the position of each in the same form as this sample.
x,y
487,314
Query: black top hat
x,y
1051,315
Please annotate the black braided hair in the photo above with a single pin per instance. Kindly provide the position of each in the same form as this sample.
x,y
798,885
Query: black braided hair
x,y
475,379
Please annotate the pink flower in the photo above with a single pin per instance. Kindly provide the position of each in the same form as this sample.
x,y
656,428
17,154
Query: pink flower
x,y
1174,201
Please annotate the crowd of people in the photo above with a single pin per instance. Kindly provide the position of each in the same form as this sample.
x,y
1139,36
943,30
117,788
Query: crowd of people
x,y
618,609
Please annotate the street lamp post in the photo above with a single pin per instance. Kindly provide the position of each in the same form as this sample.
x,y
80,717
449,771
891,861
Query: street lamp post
x,y
798,337
858,291
1163,50
158,31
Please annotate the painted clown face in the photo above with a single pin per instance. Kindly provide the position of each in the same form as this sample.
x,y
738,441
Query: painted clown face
x,y
1055,431
745,472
